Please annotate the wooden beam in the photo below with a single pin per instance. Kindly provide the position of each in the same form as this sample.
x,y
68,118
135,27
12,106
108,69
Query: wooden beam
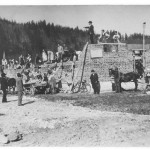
x,y
110,44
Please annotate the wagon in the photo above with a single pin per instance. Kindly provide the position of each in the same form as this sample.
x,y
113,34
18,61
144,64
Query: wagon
x,y
35,87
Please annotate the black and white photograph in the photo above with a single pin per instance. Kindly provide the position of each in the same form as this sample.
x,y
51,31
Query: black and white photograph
x,y
74,75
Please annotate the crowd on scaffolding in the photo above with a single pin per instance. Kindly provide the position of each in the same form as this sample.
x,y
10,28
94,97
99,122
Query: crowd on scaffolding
x,y
104,36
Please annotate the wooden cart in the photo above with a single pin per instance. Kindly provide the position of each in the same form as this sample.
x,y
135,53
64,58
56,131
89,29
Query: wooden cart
x,y
36,87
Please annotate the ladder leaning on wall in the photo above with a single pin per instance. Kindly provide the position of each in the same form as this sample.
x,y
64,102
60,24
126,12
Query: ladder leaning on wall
x,y
80,67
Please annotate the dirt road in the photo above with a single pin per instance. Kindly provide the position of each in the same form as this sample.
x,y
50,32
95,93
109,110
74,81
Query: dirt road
x,y
77,120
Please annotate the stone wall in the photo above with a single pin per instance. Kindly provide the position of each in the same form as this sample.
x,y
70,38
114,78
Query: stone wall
x,y
122,59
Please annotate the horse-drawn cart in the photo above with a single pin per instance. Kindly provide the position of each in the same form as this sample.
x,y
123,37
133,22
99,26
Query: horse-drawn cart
x,y
35,87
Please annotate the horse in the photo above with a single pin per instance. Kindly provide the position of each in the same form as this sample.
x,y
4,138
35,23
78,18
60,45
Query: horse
x,y
127,77
11,82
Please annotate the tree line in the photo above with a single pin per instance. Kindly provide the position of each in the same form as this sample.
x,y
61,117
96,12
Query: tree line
x,y
32,37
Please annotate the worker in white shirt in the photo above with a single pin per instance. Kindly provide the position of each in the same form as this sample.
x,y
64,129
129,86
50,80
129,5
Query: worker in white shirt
x,y
116,37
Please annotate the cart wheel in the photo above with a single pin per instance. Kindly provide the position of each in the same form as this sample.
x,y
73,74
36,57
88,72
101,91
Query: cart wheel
x,y
87,88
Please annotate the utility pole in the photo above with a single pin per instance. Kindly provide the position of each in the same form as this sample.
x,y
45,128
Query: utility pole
x,y
133,53
144,60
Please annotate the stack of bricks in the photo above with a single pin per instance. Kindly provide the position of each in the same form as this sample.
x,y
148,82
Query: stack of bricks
x,y
122,59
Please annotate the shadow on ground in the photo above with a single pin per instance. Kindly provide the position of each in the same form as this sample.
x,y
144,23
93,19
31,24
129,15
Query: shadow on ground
x,y
29,102
2,114
127,101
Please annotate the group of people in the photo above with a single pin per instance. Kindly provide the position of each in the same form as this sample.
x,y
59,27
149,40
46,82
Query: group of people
x,y
51,57
17,64
104,36
54,83
26,76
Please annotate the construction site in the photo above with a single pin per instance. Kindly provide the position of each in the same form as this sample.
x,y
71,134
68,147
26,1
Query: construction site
x,y
63,84
81,119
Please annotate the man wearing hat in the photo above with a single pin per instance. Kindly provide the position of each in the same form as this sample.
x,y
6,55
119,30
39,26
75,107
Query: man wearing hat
x,y
91,31
4,87
19,84
95,82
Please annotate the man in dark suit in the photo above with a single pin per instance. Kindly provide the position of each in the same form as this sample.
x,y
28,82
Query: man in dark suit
x,y
117,80
19,85
95,82
4,87
91,31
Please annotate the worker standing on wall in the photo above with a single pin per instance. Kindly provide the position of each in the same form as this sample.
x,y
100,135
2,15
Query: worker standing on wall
x,y
91,32
104,36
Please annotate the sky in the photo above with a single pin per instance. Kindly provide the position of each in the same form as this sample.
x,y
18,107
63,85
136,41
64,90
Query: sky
x,y
123,18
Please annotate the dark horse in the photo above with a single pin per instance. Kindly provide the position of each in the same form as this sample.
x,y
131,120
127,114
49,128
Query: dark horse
x,y
11,83
127,77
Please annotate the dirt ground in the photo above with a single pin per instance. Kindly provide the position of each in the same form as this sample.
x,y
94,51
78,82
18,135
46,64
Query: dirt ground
x,y
108,119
